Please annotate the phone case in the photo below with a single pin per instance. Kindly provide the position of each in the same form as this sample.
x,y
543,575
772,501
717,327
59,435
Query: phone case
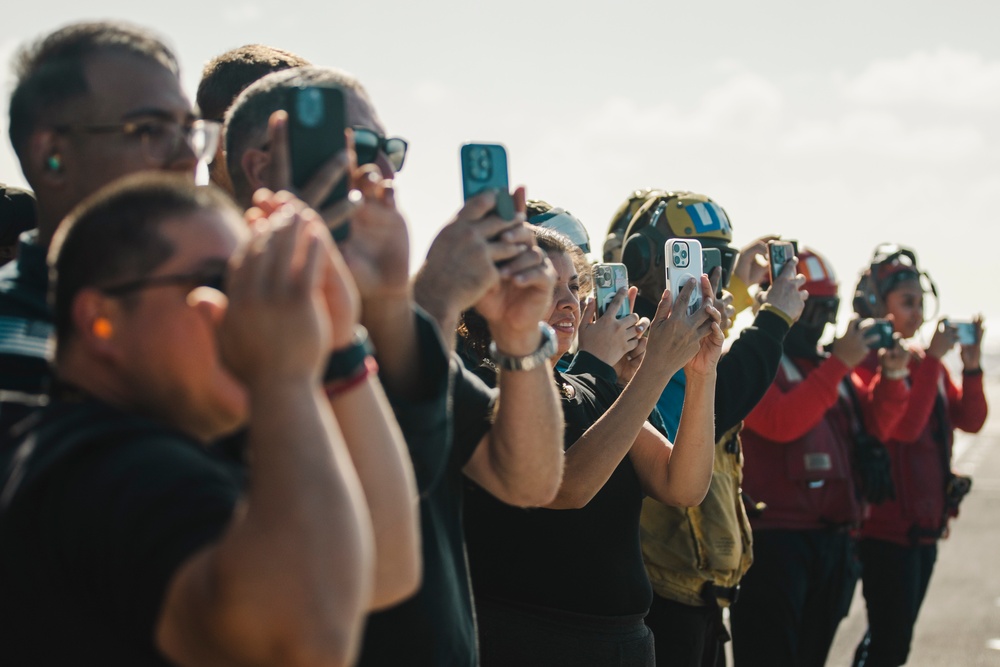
x,y
316,122
484,167
683,261
711,258
884,340
966,332
778,254
608,279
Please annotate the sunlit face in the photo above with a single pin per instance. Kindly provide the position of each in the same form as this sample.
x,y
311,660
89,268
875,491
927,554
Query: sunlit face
x,y
905,306
565,315
169,357
125,88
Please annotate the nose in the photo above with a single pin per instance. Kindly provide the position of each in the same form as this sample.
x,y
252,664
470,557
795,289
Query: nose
x,y
184,158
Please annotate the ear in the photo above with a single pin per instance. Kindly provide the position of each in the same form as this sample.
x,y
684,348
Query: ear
x,y
254,164
96,323
49,157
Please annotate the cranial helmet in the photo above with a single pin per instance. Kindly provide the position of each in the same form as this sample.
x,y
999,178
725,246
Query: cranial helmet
x,y
666,215
891,265
619,222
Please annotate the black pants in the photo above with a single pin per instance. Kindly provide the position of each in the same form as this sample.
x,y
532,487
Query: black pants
x,y
793,597
687,636
522,636
895,581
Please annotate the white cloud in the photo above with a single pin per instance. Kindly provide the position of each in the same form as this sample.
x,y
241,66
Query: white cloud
x,y
943,78
882,134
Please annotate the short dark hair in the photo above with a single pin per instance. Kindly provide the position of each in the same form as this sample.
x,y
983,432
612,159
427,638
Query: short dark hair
x,y
50,71
246,120
113,236
229,74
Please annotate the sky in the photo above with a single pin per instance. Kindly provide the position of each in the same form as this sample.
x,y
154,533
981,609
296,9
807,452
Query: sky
x,y
841,125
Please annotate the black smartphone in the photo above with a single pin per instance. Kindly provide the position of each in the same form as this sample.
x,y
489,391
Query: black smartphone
x,y
778,254
484,167
884,330
711,258
316,120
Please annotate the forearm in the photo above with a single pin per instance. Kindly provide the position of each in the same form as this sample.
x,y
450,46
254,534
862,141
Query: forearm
x,y
787,416
392,327
591,460
746,372
688,472
292,575
379,453
923,393
525,442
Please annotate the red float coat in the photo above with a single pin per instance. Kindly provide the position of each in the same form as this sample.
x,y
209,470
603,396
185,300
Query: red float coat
x,y
920,450
798,442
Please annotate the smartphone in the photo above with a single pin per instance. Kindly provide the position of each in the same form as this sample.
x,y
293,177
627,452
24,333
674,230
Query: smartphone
x,y
484,167
684,262
608,279
316,120
884,329
711,258
778,254
966,332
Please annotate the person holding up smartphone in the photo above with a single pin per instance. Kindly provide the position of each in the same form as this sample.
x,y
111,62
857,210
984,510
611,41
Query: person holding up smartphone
x,y
565,584
898,545
799,466
695,559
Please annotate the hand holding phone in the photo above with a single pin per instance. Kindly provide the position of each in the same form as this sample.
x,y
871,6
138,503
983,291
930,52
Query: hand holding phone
x,y
684,262
316,121
484,167
779,253
608,280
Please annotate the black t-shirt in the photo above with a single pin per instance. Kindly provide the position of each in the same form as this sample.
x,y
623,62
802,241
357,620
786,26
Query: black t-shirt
x,y
584,561
436,626
94,521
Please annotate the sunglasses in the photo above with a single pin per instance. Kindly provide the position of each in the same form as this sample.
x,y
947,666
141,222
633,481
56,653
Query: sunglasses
x,y
213,279
368,143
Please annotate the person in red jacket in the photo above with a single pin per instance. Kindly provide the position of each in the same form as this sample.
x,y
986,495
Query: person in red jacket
x,y
799,444
899,540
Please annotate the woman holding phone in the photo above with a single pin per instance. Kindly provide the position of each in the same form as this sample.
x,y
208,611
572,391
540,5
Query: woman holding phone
x,y
899,539
565,584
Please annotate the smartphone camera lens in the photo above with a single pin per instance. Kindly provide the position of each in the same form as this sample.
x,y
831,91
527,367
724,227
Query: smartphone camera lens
x,y
309,107
480,164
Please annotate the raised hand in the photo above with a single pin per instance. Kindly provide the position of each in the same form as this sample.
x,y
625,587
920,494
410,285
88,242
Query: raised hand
x,y
786,293
276,326
674,336
607,337
852,347
751,265
944,338
971,354
894,359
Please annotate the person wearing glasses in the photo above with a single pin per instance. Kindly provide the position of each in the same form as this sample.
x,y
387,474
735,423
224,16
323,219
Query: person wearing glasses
x,y
455,427
125,542
92,102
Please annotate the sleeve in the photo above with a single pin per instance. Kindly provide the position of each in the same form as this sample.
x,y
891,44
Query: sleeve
x,y
128,521
967,404
786,416
741,294
424,421
883,401
747,370
924,374
473,409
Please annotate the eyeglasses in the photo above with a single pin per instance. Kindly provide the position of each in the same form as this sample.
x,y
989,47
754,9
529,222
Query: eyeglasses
x,y
367,144
213,279
161,137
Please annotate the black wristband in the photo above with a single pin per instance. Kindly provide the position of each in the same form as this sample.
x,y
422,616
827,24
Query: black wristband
x,y
345,362
972,372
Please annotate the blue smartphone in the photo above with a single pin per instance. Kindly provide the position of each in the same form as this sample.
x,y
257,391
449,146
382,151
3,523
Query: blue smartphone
x,y
484,167
608,279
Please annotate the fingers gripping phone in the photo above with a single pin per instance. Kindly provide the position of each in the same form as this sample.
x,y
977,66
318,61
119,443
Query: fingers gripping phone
x,y
484,167
966,332
683,262
884,329
316,119
779,253
710,259
608,279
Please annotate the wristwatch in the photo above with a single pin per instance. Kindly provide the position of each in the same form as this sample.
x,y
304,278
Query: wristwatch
x,y
546,348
